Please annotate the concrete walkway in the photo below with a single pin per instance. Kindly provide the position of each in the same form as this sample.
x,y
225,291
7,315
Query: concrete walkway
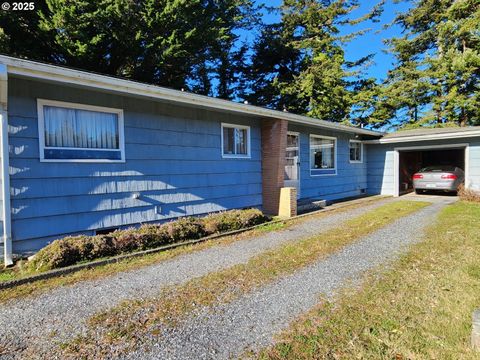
x,y
32,327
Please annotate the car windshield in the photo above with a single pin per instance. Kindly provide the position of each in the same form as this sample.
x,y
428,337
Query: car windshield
x,y
438,168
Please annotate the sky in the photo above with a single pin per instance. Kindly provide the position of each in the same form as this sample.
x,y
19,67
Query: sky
x,y
372,41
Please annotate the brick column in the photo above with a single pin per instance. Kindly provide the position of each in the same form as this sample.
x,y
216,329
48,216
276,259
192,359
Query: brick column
x,y
274,144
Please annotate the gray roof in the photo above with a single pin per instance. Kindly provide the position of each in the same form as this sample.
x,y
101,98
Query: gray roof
x,y
49,72
431,131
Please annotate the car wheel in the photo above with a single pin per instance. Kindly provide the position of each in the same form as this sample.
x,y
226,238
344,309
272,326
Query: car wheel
x,y
418,191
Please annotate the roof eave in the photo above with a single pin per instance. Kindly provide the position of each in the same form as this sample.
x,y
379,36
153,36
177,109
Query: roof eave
x,y
456,135
32,69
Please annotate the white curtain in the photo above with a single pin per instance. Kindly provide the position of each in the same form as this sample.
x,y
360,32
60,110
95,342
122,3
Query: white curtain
x,y
80,128
241,137
228,140
322,152
235,141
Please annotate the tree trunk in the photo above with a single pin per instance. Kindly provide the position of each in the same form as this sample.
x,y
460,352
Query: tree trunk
x,y
463,118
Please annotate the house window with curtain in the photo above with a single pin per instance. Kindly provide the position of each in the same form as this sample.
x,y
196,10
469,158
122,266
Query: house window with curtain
x,y
75,132
235,141
323,155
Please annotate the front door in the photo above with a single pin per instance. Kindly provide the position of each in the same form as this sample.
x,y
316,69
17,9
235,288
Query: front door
x,y
292,163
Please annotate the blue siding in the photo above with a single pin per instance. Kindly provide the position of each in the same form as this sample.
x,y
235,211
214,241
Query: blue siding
x,y
381,163
351,178
173,158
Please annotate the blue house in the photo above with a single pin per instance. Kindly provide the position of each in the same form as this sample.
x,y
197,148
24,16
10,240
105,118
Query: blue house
x,y
87,153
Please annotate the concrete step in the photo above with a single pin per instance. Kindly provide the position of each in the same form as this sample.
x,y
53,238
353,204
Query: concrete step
x,y
306,205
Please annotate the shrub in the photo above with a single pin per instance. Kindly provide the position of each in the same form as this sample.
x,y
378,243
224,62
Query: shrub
x,y
233,220
58,254
185,228
252,217
154,235
102,245
468,194
125,240
73,249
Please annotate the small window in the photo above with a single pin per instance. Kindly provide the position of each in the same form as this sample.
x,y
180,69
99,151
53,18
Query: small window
x,y
235,141
322,155
74,132
356,151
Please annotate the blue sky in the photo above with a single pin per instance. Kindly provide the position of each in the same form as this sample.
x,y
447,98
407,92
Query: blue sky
x,y
371,42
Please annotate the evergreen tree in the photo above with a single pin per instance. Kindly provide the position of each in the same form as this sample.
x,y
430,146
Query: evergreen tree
x,y
300,63
174,43
274,61
228,56
21,35
97,36
436,81
321,83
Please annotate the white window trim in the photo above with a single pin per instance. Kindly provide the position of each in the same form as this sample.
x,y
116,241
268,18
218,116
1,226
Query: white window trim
x,y
310,156
41,131
361,152
236,156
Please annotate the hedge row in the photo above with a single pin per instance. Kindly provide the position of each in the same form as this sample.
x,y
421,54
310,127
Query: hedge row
x,y
74,249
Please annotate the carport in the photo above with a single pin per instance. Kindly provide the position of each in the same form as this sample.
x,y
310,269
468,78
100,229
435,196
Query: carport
x,y
393,159
412,159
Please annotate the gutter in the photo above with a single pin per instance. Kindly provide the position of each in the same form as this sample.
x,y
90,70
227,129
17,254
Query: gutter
x,y
33,69
4,168
441,136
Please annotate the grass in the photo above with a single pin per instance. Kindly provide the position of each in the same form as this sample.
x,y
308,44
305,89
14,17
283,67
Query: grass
x,y
42,286
125,324
7,275
419,308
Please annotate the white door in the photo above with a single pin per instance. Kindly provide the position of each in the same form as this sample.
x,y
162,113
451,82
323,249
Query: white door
x,y
292,163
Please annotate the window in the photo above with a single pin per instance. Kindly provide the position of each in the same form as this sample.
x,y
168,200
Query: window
x,y
292,156
356,151
74,132
235,141
322,155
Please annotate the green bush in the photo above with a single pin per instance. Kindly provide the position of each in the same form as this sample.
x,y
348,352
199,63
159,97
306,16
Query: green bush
x,y
102,245
154,235
73,249
185,228
58,254
233,220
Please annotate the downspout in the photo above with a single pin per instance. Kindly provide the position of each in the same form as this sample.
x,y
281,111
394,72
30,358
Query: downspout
x,y
5,175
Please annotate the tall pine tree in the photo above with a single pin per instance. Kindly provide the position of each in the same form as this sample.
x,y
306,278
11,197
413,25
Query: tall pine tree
x,y
176,43
300,63
274,61
436,81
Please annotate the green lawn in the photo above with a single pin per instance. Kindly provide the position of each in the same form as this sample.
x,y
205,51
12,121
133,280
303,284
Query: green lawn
x,y
419,309
6,275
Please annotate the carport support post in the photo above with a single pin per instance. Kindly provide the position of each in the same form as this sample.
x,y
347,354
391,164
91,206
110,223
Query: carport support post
x,y
274,146
396,173
5,175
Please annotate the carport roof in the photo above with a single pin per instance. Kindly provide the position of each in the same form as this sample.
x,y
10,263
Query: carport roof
x,y
428,134
431,131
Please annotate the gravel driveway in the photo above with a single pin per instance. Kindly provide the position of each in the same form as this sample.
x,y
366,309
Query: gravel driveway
x,y
252,321
31,327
